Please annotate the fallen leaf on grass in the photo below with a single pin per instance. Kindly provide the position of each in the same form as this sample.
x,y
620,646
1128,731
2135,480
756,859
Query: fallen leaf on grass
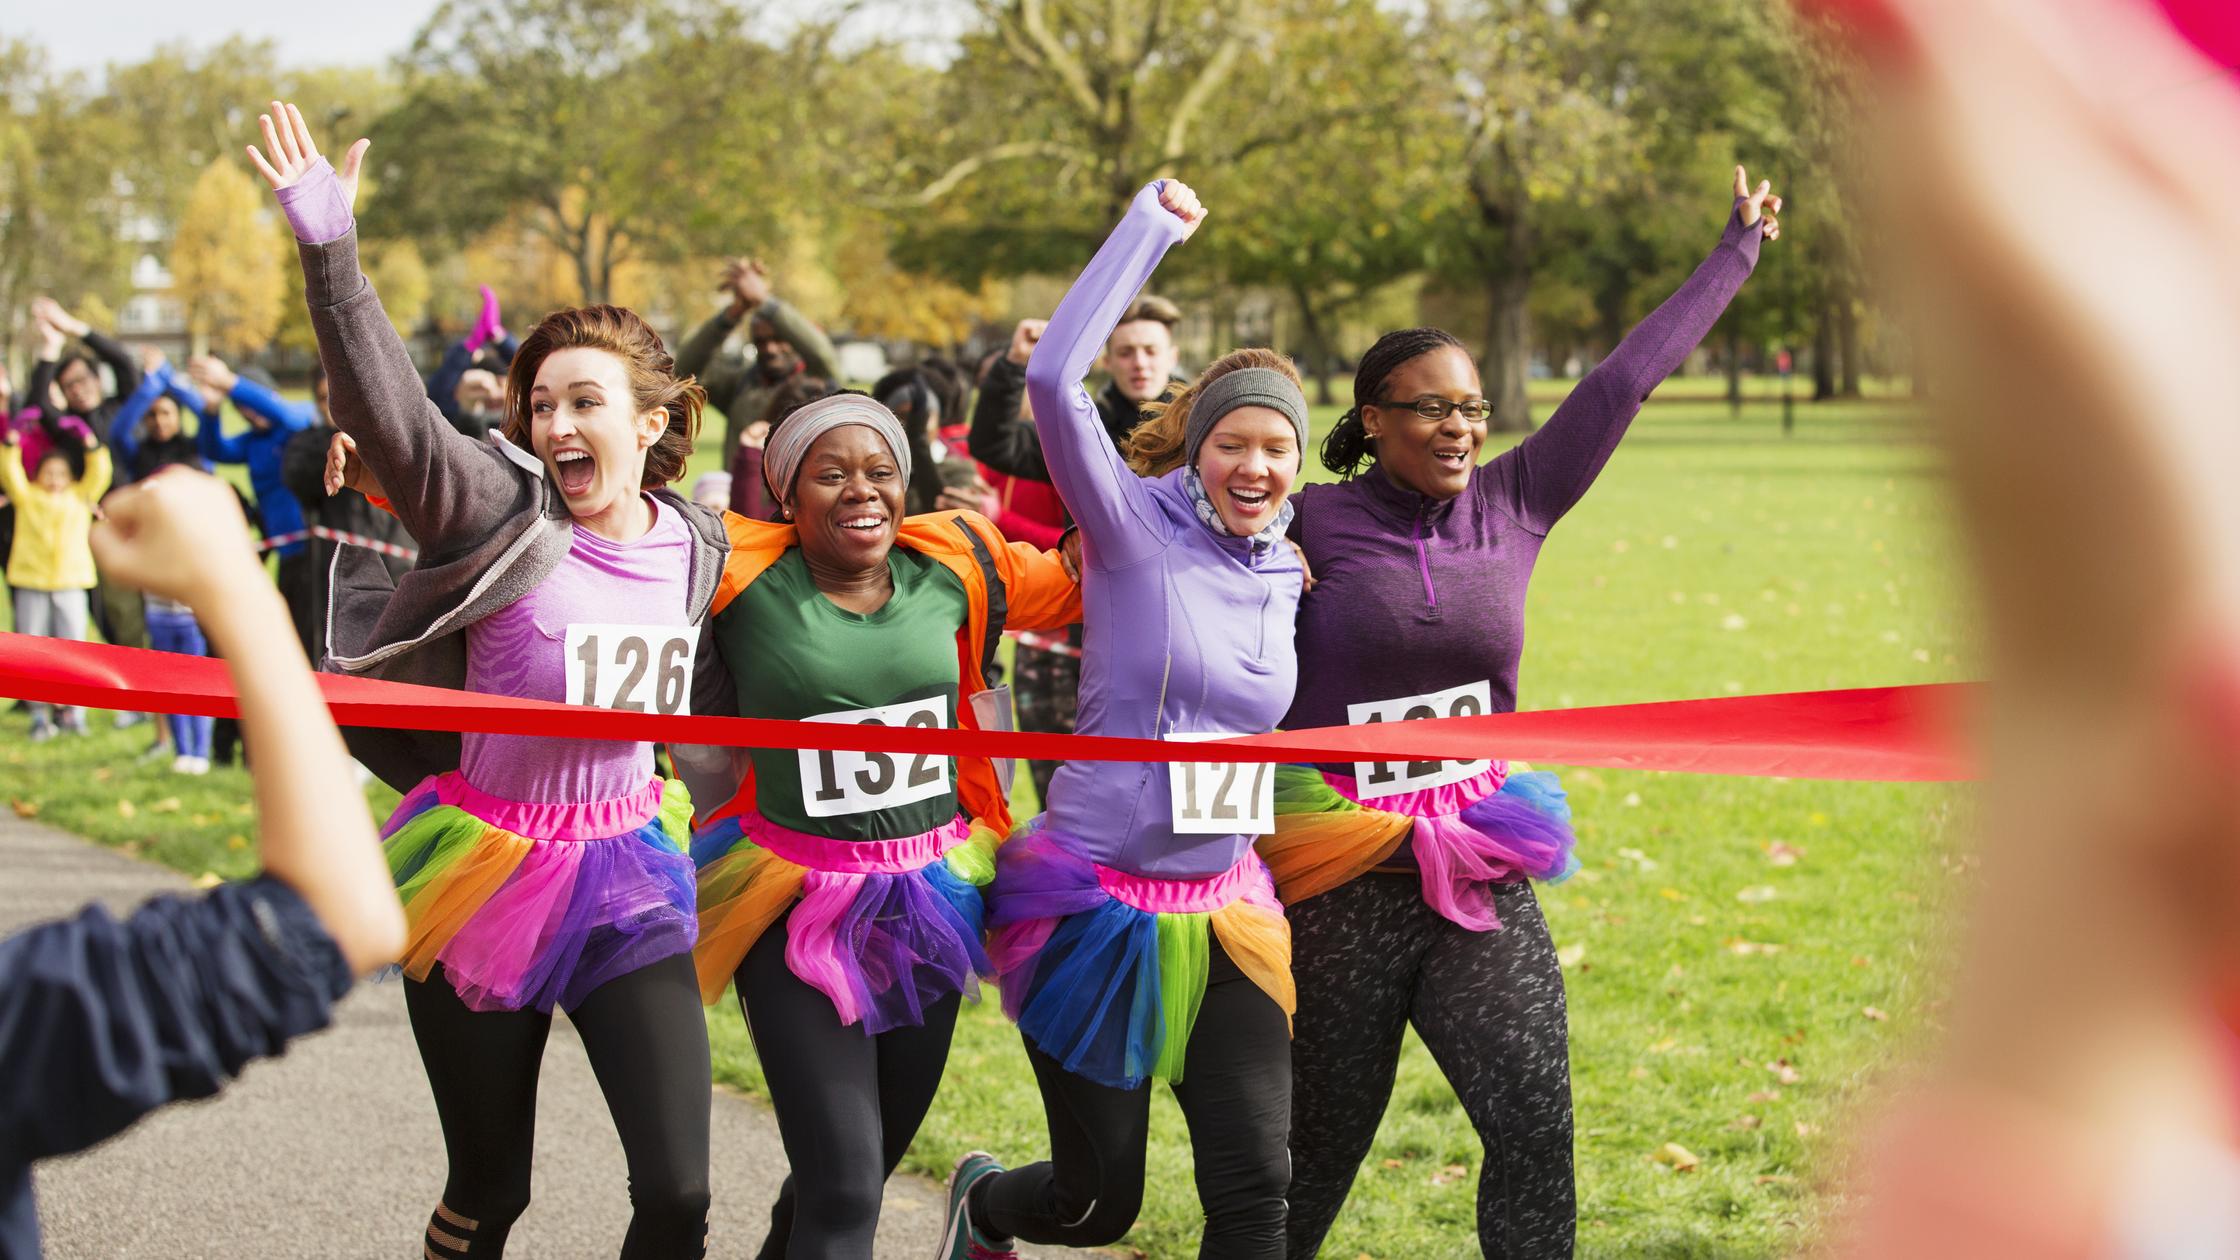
x,y
1680,1157
125,808
1450,1174
1757,894
1742,948
237,842
1783,1072
1570,955
1806,1130
1773,1179
1393,1163
168,805
1672,894
1875,1013
208,879
1746,1122
1765,1095
1638,1072
102,774
24,808
1782,853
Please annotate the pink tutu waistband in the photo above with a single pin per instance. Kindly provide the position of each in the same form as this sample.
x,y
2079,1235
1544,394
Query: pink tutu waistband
x,y
555,820
1153,894
899,856
1426,802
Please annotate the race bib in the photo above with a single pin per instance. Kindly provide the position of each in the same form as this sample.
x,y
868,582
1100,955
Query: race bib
x,y
837,783
637,669
1390,778
1221,798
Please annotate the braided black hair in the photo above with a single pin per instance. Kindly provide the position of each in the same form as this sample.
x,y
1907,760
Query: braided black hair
x,y
1348,446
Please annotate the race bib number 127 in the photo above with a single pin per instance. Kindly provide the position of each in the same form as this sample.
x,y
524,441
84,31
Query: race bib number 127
x,y
1390,778
1221,798
637,669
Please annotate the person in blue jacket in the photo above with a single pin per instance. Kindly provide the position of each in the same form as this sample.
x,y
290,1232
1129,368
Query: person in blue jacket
x,y
272,421
103,1020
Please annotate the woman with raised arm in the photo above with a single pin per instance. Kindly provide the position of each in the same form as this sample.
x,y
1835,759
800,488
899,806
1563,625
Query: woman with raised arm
x,y
840,890
1407,882
1137,932
537,873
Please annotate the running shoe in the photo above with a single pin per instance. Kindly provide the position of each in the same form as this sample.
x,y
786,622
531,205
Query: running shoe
x,y
41,732
962,1241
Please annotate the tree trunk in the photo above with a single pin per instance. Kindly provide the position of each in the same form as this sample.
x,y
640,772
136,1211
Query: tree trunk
x,y
1508,357
1847,338
1734,371
1824,353
1318,347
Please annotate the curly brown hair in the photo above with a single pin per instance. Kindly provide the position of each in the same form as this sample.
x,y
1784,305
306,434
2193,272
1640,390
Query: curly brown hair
x,y
653,379
1155,447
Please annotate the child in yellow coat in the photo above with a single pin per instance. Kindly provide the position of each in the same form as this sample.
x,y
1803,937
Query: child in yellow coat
x,y
50,567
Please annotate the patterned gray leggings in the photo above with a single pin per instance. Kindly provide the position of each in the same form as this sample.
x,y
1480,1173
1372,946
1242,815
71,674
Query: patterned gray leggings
x,y
1371,958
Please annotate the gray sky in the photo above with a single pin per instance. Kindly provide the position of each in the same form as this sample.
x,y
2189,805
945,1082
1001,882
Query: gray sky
x,y
86,36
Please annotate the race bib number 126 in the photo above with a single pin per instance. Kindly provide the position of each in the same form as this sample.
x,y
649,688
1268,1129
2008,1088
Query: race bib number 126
x,y
1221,798
637,669
1390,778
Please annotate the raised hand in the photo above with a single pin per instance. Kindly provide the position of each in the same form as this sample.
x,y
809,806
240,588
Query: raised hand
x,y
290,154
1023,338
49,312
151,359
1759,205
748,282
178,534
211,372
344,468
1180,201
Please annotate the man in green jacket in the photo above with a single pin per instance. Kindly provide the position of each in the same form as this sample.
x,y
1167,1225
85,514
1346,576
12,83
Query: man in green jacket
x,y
785,344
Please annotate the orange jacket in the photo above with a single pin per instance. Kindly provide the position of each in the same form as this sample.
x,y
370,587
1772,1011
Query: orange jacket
x,y
1008,586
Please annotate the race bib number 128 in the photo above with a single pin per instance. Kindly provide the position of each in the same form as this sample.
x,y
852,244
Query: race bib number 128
x,y
837,783
1221,798
637,669
1390,778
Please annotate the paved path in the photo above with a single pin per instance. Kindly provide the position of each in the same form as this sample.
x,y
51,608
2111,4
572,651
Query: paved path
x,y
333,1151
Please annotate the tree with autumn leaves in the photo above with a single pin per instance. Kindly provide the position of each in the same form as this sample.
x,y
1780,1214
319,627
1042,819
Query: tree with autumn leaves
x,y
1526,174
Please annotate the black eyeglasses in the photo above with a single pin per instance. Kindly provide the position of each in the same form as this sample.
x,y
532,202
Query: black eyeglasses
x,y
1433,407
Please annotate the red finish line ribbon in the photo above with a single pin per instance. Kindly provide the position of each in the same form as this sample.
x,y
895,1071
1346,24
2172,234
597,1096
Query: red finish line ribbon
x,y
1890,734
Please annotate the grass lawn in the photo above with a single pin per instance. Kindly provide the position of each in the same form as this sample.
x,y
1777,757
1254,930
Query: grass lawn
x,y
1742,955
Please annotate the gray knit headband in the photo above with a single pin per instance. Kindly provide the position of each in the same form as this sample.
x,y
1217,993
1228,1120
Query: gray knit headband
x,y
1245,387
790,442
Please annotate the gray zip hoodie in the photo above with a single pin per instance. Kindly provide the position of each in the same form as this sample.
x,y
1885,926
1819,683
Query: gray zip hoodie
x,y
489,523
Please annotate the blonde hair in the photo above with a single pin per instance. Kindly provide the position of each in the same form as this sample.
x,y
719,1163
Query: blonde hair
x,y
1159,444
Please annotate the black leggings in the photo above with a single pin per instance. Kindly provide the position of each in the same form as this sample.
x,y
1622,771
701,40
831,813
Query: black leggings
x,y
1371,958
848,1103
1235,1093
648,1044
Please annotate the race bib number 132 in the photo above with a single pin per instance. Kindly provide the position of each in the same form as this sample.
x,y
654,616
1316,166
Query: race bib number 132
x,y
1390,778
1221,798
637,669
837,783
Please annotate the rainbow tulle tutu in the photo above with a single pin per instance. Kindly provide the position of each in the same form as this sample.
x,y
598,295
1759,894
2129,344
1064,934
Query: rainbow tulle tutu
x,y
535,905
1104,971
1492,828
885,928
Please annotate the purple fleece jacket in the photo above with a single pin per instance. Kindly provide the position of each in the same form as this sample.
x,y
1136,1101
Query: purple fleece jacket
x,y
1416,595
1185,630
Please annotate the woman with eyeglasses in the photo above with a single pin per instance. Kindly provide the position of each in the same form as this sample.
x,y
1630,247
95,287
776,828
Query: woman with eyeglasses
x,y
1407,883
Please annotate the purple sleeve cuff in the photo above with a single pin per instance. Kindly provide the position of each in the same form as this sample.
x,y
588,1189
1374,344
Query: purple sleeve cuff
x,y
315,206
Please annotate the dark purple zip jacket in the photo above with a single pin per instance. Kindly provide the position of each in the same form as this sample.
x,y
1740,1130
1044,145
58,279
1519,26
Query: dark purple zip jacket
x,y
1415,595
